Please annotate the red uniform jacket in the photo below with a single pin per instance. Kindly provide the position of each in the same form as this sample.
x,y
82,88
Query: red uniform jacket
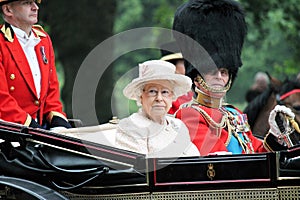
x,y
207,138
18,98
179,101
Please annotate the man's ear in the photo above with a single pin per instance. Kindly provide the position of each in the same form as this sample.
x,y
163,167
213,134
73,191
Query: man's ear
x,y
196,83
6,10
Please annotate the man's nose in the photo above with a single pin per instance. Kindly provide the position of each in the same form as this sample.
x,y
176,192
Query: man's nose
x,y
218,74
35,6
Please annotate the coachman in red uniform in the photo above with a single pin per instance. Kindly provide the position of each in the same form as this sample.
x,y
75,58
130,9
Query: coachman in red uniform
x,y
29,89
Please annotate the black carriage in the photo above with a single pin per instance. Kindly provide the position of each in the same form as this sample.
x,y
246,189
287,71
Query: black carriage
x,y
38,164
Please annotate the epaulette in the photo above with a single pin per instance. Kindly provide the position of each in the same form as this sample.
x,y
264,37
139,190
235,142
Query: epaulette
x,y
8,32
38,29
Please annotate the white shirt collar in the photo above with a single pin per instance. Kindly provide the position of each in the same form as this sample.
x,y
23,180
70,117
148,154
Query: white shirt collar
x,y
23,37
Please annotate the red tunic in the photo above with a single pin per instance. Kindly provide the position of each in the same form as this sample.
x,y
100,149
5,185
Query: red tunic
x,y
179,101
18,99
205,136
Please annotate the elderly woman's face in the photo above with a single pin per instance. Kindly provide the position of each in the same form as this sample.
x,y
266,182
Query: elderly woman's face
x,y
157,99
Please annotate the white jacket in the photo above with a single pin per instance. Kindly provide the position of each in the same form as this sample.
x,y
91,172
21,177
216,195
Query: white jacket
x,y
139,134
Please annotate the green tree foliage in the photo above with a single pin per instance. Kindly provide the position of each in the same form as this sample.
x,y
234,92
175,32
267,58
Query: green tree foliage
x,y
76,28
271,45
277,25
146,13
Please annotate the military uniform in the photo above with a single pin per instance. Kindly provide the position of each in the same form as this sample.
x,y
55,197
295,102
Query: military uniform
x,y
220,28
222,129
179,101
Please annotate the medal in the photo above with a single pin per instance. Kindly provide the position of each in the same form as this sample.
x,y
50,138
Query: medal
x,y
44,55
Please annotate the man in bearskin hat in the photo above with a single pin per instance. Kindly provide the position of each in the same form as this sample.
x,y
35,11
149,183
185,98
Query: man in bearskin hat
x,y
29,89
219,27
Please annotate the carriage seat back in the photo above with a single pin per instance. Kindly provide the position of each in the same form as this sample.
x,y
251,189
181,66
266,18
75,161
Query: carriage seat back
x,y
103,134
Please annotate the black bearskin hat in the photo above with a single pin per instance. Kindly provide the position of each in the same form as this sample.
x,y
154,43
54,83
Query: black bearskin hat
x,y
170,52
219,27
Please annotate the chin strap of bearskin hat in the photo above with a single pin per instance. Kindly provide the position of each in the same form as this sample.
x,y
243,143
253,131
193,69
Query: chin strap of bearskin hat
x,y
201,81
207,100
210,97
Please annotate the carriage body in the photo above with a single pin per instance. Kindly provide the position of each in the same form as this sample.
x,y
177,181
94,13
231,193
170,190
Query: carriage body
x,y
77,168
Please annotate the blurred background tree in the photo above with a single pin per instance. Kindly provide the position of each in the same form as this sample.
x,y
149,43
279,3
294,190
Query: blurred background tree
x,y
77,26
271,45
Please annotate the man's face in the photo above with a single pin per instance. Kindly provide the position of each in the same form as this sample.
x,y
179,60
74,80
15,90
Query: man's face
x,y
217,78
180,68
24,12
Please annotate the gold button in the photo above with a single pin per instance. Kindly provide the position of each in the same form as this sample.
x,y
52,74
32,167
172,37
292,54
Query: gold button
x,y
12,76
37,103
12,88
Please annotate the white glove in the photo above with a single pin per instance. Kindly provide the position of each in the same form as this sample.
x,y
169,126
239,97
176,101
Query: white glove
x,y
61,130
57,129
274,129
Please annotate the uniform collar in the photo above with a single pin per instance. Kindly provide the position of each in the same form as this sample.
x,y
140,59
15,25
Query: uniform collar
x,y
9,33
207,100
23,38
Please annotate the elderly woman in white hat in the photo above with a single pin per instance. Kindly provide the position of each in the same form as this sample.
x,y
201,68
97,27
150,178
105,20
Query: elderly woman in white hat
x,y
151,131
